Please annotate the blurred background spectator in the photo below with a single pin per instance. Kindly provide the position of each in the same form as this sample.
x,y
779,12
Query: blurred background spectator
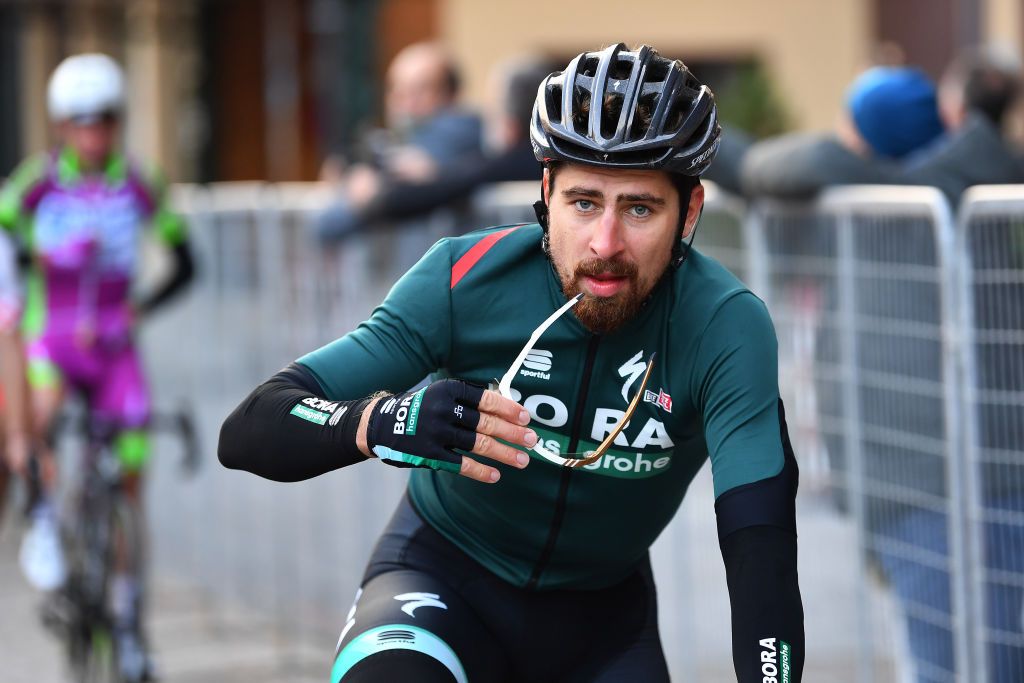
x,y
426,136
890,113
513,88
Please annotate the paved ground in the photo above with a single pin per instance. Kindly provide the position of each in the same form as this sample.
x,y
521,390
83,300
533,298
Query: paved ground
x,y
199,639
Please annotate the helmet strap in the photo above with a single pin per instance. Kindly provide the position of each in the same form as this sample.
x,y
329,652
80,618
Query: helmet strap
x,y
540,208
680,250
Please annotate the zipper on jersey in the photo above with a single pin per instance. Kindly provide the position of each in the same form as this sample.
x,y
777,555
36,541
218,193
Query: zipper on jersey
x,y
566,476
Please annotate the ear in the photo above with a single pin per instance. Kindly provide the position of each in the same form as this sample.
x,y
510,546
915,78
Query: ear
x,y
545,188
694,209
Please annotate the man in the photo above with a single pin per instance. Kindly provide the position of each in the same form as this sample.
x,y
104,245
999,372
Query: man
x,y
520,569
891,112
975,93
515,84
427,134
82,210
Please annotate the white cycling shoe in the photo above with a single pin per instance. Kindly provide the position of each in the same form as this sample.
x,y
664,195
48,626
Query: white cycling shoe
x,y
41,555
133,661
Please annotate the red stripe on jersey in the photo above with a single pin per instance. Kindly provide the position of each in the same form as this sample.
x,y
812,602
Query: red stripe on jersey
x,y
469,259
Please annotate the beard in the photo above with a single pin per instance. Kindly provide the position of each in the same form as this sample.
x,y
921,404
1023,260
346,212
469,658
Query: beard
x,y
605,314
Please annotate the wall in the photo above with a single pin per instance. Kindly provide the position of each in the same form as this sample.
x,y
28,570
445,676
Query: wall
x,y
812,49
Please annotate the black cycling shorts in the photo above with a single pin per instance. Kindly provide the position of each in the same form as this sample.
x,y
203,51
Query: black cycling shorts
x,y
427,612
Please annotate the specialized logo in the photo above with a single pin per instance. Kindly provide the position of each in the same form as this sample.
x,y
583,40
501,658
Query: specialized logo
x,y
660,399
537,364
350,621
633,369
413,601
706,153
775,662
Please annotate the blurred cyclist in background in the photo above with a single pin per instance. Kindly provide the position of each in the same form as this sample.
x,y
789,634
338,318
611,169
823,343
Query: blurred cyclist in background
x,y
80,210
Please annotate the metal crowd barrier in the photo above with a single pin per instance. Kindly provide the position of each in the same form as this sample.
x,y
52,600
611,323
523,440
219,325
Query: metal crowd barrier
x,y
874,347
990,240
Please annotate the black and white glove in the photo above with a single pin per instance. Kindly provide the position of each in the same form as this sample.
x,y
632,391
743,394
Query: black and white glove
x,y
423,428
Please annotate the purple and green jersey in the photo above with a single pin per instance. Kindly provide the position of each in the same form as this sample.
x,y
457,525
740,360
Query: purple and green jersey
x,y
83,232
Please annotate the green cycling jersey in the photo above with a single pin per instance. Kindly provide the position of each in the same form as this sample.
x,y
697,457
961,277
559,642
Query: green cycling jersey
x,y
466,309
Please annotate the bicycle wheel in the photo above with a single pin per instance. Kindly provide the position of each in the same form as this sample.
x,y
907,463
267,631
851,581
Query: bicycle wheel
x,y
90,645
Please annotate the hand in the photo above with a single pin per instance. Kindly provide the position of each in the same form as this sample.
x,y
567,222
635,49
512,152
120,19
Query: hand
x,y
413,165
423,429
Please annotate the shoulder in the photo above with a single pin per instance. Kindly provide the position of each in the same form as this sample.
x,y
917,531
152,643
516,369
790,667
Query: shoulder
x,y
716,310
33,170
482,254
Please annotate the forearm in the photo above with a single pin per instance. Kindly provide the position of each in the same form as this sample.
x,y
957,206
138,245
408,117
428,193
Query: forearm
x,y
15,388
181,276
286,430
767,612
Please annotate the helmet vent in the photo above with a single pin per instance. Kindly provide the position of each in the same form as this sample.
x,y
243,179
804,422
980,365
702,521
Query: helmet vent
x,y
589,67
642,118
581,110
610,115
554,103
621,69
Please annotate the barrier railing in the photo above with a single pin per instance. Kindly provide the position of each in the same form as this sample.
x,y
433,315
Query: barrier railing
x,y
990,241
878,331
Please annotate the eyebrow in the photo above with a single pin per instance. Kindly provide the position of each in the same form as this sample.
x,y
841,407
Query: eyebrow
x,y
579,191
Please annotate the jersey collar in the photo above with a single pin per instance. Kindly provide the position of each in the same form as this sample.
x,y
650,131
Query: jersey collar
x,y
69,166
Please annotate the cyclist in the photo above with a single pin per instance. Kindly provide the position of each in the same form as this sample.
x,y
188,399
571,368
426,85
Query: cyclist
x,y
81,210
544,575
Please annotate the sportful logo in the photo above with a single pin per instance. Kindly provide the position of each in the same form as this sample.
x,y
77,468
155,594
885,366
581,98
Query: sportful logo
x,y
775,663
413,601
336,418
539,363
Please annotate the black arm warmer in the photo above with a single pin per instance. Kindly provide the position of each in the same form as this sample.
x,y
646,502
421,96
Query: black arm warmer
x,y
757,534
767,613
184,270
285,431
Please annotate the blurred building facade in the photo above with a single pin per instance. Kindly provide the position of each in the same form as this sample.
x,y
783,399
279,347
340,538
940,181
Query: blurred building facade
x,y
264,89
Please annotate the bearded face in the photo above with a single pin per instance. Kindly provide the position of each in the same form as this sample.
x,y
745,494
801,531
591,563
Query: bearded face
x,y
610,237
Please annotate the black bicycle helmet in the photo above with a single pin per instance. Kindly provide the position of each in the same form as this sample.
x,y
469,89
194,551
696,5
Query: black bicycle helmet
x,y
651,113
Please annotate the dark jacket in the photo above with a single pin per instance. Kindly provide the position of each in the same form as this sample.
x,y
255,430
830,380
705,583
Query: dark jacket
x,y
976,154
799,165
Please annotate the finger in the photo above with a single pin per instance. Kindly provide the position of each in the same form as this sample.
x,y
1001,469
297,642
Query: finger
x,y
489,447
494,403
471,469
492,425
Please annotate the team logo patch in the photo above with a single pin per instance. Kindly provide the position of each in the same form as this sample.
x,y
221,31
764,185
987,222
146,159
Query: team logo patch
x,y
660,399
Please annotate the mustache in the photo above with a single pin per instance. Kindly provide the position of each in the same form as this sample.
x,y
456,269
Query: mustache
x,y
594,267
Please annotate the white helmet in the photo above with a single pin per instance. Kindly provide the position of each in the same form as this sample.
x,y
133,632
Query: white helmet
x,y
85,85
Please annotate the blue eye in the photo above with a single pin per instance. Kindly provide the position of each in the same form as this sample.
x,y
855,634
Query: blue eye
x,y
584,204
640,211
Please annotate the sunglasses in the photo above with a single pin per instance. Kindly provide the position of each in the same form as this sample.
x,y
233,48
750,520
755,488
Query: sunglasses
x,y
571,459
107,118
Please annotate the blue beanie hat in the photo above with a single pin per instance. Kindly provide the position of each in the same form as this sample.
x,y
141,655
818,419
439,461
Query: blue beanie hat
x,y
894,109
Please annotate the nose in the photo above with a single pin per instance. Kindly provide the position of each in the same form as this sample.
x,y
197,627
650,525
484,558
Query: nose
x,y
606,241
